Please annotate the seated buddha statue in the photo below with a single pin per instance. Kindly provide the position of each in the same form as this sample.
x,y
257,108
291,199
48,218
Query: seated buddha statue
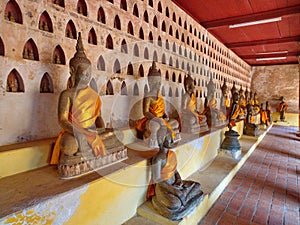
x,y
225,101
234,111
171,196
212,113
242,103
250,128
154,112
79,115
192,120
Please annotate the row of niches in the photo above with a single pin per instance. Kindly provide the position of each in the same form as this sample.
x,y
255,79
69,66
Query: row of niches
x,y
45,23
30,51
15,84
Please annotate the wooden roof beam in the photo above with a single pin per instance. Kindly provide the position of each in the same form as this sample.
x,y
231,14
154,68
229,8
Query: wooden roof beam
x,y
252,17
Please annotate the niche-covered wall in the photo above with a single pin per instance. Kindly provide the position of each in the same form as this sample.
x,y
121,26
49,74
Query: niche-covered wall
x,y
121,39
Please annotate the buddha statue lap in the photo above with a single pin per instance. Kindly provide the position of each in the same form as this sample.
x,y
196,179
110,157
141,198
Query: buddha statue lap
x,y
192,120
171,196
83,144
154,112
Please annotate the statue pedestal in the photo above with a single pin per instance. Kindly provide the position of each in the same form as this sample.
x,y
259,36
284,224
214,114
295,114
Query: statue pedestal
x,y
231,145
252,129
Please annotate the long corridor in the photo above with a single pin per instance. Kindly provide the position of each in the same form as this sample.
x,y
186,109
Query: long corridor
x,y
266,189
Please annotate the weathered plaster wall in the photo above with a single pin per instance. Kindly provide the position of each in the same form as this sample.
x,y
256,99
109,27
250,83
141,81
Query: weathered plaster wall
x,y
32,115
271,82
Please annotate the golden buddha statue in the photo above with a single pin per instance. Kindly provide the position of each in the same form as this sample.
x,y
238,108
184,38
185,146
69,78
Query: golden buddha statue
x,y
154,112
80,145
242,103
171,196
192,120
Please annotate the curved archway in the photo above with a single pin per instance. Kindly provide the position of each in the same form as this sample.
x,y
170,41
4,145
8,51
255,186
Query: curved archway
x,y
170,92
101,15
101,64
159,7
59,56
129,69
146,17
124,46
45,22
92,38
15,82
141,71
117,67
163,26
71,30
135,10
146,53
109,88
136,90
46,85
82,7
155,22
13,12
123,5
141,34
171,31
117,23
136,50
109,42
124,88
30,50
130,28
2,49
151,37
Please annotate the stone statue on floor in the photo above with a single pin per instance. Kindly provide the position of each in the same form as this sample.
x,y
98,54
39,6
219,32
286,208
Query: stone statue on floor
x,y
210,107
225,101
171,196
231,141
242,103
154,112
192,120
283,107
250,128
269,114
83,144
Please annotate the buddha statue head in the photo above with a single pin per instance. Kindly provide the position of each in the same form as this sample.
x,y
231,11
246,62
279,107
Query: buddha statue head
x,y
189,84
80,65
154,78
233,89
210,89
224,89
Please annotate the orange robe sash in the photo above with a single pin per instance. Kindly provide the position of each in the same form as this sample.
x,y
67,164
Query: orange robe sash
x,y
166,172
157,108
234,116
282,105
192,106
83,115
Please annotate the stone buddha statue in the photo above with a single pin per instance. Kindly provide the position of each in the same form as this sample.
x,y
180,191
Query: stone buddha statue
x,y
192,120
250,128
171,196
225,102
283,107
154,112
242,103
210,106
80,146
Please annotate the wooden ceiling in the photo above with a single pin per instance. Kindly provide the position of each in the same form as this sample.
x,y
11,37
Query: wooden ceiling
x,y
279,39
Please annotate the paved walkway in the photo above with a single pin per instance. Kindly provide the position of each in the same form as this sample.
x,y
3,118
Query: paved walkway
x,y
266,190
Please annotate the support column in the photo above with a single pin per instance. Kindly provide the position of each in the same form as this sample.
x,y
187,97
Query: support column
x,y
299,97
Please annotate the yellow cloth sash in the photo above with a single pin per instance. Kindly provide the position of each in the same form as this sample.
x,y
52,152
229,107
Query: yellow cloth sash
x,y
157,108
281,106
83,115
234,116
192,106
227,102
166,172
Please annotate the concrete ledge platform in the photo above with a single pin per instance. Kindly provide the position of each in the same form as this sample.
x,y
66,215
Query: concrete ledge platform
x,y
214,179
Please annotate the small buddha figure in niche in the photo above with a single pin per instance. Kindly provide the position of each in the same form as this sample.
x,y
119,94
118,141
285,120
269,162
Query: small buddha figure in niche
x,y
171,196
154,112
192,120
283,107
83,144
210,106
79,112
